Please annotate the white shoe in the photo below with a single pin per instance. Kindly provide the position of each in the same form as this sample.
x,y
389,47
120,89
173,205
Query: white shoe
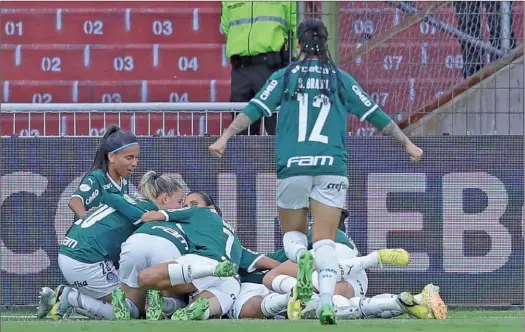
x,y
310,310
46,300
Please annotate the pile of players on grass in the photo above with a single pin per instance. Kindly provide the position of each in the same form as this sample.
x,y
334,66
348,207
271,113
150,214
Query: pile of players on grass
x,y
187,261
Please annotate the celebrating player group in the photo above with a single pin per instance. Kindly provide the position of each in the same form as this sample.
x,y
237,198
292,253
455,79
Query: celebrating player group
x,y
167,254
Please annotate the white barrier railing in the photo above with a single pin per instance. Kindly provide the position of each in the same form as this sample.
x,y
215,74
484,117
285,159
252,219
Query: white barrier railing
x,y
121,107
91,119
142,119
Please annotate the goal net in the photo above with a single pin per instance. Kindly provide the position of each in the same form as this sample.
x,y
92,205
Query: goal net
x,y
406,54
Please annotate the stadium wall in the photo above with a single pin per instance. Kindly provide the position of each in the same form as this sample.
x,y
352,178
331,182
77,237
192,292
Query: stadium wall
x,y
494,106
458,212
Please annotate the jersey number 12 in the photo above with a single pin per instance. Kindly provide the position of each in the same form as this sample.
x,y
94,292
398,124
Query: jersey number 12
x,y
320,101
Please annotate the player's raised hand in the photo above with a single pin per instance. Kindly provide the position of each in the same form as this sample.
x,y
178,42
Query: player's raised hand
x,y
217,148
414,152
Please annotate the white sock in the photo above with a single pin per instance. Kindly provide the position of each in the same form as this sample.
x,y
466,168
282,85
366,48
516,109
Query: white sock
x,y
95,307
418,298
294,244
133,310
350,267
326,264
181,274
171,305
379,306
283,284
274,303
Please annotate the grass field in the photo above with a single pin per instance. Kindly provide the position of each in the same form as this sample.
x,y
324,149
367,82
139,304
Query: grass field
x,y
459,321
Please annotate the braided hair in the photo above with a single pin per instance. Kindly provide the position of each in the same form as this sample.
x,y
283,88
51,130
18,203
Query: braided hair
x,y
313,36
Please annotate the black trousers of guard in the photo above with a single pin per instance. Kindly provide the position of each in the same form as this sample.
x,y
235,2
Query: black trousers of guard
x,y
246,81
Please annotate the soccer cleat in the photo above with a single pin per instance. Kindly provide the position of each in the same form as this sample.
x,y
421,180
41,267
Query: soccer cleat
x,y
310,309
295,306
225,269
397,257
434,302
120,305
156,302
194,311
46,300
304,277
414,309
326,315
60,309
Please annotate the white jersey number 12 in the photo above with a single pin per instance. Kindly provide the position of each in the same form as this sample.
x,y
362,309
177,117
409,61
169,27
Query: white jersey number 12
x,y
319,101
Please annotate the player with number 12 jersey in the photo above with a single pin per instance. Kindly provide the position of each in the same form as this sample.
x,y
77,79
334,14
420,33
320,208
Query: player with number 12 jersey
x,y
310,138
315,97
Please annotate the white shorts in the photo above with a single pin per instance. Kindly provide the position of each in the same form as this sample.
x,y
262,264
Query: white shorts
x,y
248,290
94,280
295,192
141,251
225,290
359,282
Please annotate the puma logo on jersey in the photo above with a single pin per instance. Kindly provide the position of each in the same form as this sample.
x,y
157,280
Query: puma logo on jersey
x,y
361,95
266,93
311,161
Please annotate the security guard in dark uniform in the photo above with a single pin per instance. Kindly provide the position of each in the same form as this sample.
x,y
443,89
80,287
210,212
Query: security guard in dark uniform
x,y
257,44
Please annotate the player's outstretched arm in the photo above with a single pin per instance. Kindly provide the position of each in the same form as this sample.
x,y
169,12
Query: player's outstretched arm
x,y
241,122
263,104
395,132
361,105
119,203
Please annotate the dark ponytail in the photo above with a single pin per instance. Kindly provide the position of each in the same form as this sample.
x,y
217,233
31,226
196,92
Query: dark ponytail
x,y
313,36
114,140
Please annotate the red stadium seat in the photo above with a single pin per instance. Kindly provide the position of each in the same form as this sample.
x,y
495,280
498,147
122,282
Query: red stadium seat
x,y
405,60
94,27
191,61
114,62
110,91
39,92
175,26
28,26
42,62
104,26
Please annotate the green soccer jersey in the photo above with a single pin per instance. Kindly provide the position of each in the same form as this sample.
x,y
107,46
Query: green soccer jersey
x,y
311,129
248,260
100,233
208,234
170,231
256,276
94,183
278,255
